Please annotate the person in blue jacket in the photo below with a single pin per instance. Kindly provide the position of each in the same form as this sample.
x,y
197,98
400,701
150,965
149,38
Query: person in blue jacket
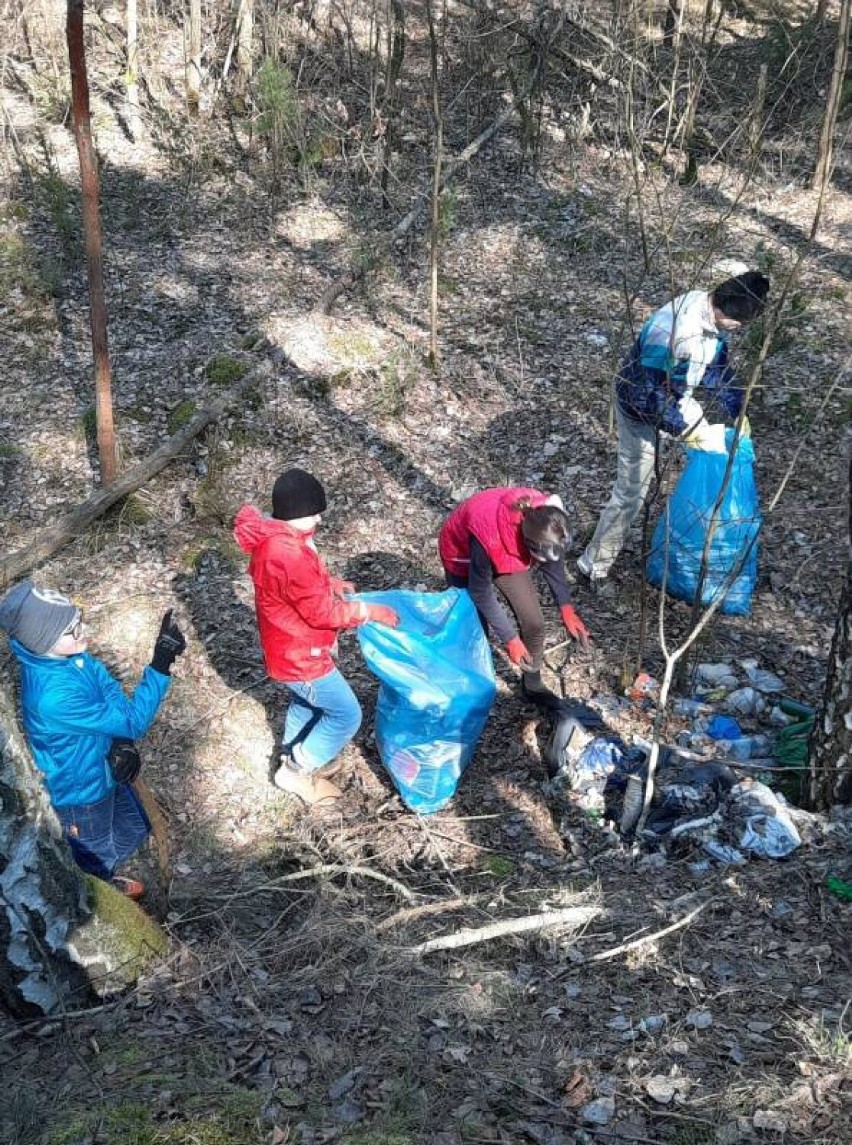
x,y
682,346
81,726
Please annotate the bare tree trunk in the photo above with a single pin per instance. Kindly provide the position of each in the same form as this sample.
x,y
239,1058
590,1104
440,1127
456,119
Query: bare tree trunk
x,y
830,762
192,56
107,451
635,148
674,13
436,193
55,948
820,11
758,113
133,120
677,40
245,33
688,143
396,53
825,149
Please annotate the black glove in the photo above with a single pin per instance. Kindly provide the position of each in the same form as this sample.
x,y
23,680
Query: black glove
x,y
124,761
170,643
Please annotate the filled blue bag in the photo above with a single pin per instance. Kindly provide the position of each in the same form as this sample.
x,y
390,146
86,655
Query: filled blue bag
x,y
734,544
436,689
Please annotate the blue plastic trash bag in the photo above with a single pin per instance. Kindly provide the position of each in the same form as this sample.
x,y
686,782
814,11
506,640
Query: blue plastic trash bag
x,y
437,687
724,727
734,544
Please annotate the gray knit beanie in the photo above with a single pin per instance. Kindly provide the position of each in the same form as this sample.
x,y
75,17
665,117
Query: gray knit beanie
x,y
36,617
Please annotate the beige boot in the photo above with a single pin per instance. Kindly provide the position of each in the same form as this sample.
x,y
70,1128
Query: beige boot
x,y
311,789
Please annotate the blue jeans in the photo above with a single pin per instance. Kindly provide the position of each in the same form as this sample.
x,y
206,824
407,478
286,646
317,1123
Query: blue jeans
x,y
101,835
322,718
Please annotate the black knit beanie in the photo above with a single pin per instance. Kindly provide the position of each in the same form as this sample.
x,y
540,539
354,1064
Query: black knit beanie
x,y
743,296
297,494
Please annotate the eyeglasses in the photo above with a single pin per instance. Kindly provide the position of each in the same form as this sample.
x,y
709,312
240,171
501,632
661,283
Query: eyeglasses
x,y
75,629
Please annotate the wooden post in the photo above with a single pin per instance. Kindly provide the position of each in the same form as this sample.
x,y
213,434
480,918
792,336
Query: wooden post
x,y
93,239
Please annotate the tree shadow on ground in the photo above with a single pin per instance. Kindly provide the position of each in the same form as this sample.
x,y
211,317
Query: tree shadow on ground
x,y
226,627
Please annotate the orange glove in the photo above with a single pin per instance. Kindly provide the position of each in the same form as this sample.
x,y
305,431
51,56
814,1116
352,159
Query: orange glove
x,y
574,625
381,614
518,652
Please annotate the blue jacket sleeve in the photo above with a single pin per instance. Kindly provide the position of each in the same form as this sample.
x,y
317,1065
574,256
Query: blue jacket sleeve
x,y
105,709
650,387
720,381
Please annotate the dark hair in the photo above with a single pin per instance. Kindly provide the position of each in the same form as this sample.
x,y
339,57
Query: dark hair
x,y
742,297
546,530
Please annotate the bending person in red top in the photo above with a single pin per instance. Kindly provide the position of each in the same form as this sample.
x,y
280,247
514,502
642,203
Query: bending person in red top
x,y
300,610
493,540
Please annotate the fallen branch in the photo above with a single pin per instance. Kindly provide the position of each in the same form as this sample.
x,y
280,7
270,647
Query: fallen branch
x,y
568,916
614,951
70,527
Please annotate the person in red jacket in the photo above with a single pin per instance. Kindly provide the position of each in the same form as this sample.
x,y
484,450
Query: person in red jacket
x,y
493,540
300,610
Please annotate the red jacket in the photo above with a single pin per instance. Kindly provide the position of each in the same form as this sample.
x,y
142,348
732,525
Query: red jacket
x,y
490,517
299,609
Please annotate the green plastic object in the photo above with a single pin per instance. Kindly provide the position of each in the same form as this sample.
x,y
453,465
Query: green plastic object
x,y
795,708
838,887
791,747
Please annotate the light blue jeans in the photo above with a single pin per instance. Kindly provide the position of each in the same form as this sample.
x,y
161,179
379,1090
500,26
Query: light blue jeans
x,y
322,718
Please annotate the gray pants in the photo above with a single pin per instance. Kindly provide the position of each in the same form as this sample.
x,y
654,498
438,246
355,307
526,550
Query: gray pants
x,y
634,472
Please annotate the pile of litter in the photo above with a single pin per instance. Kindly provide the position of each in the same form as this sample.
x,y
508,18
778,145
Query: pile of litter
x,y
725,788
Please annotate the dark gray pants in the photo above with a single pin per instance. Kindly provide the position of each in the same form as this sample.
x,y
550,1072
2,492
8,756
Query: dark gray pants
x,y
522,597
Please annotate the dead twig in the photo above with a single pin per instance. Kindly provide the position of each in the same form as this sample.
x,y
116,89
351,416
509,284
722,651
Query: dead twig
x,y
409,914
314,873
605,955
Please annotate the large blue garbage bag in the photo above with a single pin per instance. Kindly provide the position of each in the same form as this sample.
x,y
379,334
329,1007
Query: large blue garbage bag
x,y
437,687
734,544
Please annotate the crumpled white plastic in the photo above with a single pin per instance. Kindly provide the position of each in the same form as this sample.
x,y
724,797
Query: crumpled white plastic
x,y
768,829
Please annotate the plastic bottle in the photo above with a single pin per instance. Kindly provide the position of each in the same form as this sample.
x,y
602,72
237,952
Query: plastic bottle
x,y
747,747
690,708
794,708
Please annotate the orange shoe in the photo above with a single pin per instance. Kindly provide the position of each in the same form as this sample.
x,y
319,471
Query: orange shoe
x,y
130,887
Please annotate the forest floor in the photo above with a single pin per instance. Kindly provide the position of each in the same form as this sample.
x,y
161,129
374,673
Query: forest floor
x,y
294,1011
